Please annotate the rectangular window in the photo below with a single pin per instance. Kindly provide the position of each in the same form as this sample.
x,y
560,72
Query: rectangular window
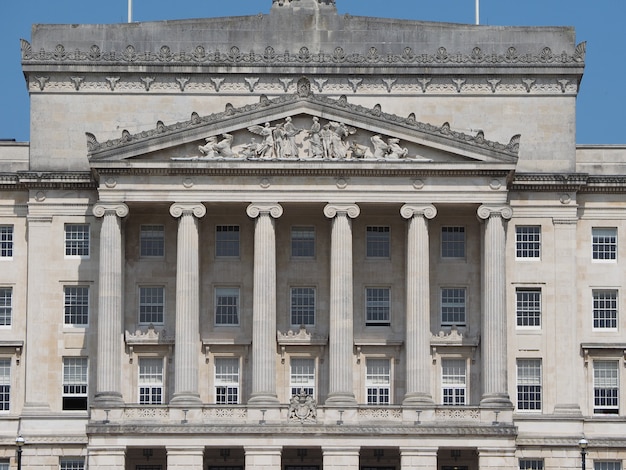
x,y
227,380
604,244
150,381
605,387
4,464
227,306
227,241
6,241
303,306
76,305
528,307
453,381
605,309
75,380
302,376
453,242
302,242
528,242
377,306
607,465
378,242
378,381
531,464
529,384
6,306
76,463
5,384
77,240
151,305
453,306
152,241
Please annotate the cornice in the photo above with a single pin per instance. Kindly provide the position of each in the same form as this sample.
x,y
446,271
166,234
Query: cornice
x,y
234,56
48,180
577,182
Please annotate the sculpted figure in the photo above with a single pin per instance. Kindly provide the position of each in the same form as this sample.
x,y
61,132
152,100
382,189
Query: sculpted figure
x,y
267,146
223,147
251,150
380,147
315,141
207,149
395,151
279,140
291,131
338,132
358,151
326,136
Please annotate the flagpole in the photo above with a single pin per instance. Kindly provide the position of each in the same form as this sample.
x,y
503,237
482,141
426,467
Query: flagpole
x,y
477,11
130,11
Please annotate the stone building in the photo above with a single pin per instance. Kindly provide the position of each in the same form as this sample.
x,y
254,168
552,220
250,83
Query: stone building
x,y
304,240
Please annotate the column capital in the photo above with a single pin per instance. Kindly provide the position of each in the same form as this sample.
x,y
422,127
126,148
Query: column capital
x,y
272,208
101,208
485,211
178,209
351,210
411,210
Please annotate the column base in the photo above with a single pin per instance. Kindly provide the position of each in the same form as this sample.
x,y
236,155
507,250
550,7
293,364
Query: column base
x,y
418,399
263,399
496,400
341,399
108,400
569,409
186,399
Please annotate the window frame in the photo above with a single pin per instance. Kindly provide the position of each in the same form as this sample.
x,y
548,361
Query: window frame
x,y
77,247
448,246
600,408
71,463
5,384
75,368
305,308
150,242
378,246
224,245
378,391
303,247
454,388
525,390
603,251
371,308
526,310
309,377
530,464
227,315
76,305
528,242
7,241
6,306
148,311
607,464
229,386
606,311
146,388
450,305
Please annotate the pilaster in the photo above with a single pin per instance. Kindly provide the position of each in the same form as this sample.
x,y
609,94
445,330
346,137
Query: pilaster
x,y
187,304
341,458
264,305
341,334
185,458
263,458
412,458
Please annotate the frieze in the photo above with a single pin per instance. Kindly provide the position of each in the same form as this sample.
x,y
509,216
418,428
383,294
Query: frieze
x,y
269,56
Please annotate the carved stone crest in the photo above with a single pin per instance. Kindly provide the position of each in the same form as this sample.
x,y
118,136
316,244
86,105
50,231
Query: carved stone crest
x,y
303,408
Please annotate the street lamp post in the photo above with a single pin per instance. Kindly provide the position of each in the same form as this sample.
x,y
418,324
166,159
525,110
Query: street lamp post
x,y
19,442
583,443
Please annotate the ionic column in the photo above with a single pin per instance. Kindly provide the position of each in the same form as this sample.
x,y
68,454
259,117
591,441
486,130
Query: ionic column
x,y
341,334
187,304
263,458
494,353
110,295
264,304
418,360
341,458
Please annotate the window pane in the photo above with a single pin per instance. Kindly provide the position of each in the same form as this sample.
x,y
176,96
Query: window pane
x,y
72,464
377,241
605,309
531,464
303,376
453,242
151,381
303,306
75,383
453,306
6,241
377,305
303,242
226,306
5,384
227,380
76,240
227,240
606,387
378,381
76,305
604,243
151,305
528,307
529,384
607,465
6,305
152,240
453,381
528,241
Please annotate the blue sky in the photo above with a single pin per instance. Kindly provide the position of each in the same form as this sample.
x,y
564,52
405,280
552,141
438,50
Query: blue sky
x,y
601,115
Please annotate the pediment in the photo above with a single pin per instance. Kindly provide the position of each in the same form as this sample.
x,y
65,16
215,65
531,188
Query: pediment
x,y
304,127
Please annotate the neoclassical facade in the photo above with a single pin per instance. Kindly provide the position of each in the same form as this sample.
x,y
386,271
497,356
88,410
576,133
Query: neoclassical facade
x,y
302,241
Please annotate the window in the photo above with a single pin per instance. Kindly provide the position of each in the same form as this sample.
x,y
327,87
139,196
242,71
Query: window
x,y
227,306
377,306
453,381
605,387
151,305
152,241
6,306
605,309
378,381
607,465
453,242
528,242
377,242
6,241
150,381
531,464
303,306
227,241
75,383
76,463
453,306
302,376
76,305
4,464
604,244
77,240
302,242
227,380
529,384
5,384
528,307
